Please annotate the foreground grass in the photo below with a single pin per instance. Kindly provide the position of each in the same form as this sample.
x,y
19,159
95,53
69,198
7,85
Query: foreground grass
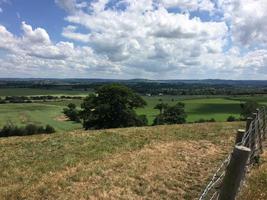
x,y
164,162
256,184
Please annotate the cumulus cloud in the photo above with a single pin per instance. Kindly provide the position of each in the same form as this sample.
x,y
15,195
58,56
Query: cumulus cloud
x,y
191,5
248,21
143,38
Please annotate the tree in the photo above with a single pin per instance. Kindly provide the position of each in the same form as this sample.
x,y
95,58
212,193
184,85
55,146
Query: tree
x,y
161,107
72,113
111,107
248,108
172,115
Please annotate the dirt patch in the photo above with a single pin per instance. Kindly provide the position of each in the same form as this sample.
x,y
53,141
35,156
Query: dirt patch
x,y
169,170
24,118
61,118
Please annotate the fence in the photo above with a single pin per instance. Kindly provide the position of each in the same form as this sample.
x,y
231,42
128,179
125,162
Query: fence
x,y
229,177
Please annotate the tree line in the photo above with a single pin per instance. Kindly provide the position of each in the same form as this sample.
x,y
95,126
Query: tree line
x,y
31,99
113,106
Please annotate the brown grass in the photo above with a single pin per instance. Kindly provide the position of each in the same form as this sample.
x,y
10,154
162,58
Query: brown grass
x,y
164,162
255,187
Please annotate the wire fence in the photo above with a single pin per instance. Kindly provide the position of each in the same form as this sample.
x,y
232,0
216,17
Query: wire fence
x,y
251,138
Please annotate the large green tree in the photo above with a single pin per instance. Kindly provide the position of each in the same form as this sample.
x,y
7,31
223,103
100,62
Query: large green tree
x,y
172,115
111,107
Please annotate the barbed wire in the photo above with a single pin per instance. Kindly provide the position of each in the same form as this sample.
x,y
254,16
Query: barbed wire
x,y
252,139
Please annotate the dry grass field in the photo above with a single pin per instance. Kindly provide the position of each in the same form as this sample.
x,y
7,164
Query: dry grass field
x,y
163,162
255,187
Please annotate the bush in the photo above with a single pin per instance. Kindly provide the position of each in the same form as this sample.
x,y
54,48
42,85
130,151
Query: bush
x,y
30,129
142,120
49,129
72,113
205,120
231,119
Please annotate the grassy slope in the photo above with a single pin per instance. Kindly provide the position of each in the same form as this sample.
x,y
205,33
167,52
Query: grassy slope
x,y
256,183
164,162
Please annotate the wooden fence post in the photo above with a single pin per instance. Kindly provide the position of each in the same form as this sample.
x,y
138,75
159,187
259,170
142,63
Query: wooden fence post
x,y
259,133
264,123
234,173
249,120
239,136
253,138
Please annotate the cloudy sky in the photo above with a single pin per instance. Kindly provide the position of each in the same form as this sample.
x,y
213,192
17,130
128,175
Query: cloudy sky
x,y
155,39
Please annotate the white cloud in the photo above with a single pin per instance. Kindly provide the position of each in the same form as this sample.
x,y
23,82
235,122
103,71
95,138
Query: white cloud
x,y
141,38
191,5
248,21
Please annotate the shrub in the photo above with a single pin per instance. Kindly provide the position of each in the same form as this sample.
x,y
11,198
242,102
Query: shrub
x,y
231,119
72,113
49,129
205,120
30,129
142,120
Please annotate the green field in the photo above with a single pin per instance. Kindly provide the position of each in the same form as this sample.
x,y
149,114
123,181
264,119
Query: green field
x,y
197,108
50,112
41,114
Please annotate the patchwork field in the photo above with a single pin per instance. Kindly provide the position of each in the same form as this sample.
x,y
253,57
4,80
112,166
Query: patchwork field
x,y
50,112
163,162
36,113
196,108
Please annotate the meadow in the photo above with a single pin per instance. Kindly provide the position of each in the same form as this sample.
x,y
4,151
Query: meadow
x,y
162,162
50,112
219,108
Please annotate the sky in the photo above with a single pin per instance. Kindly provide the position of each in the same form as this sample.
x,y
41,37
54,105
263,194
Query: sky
x,y
125,39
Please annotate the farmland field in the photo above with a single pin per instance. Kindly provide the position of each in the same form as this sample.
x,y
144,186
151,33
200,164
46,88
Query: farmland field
x,y
36,113
50,112
163,162
219,108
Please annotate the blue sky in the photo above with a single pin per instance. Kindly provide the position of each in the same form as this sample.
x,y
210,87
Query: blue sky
x,y
156,39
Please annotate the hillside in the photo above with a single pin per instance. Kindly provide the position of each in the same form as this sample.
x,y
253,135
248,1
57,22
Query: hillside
x,y
256,183
163,162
